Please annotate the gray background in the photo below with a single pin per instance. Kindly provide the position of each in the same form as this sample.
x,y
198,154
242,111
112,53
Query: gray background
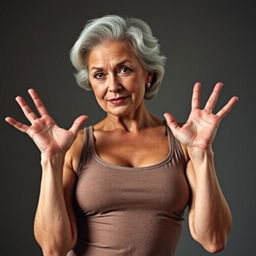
x,y
205,41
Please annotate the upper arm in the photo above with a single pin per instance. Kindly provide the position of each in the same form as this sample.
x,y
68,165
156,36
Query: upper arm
x,y
69,180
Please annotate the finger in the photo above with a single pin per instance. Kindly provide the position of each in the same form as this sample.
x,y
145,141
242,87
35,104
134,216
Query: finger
x,y
227,108
171,121
38,102
18,125
77,124
210,104
195,103
30,115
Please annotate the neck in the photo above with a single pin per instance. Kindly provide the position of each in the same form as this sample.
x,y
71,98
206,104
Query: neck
x,y
138,120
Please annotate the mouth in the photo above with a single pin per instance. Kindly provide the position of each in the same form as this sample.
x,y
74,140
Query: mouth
x,y
118,100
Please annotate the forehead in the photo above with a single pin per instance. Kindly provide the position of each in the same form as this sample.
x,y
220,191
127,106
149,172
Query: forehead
x,y
111,52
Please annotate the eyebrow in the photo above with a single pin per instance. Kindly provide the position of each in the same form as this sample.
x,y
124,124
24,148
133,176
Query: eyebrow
x,y
118,64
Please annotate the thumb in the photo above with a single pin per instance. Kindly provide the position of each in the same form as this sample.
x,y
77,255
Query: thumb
x,y
79,121
171,121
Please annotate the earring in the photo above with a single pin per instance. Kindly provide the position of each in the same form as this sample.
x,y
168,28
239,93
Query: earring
x,y
148,85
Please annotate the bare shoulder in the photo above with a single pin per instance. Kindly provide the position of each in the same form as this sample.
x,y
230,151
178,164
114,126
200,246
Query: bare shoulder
x,y
185,151
72,156
183,147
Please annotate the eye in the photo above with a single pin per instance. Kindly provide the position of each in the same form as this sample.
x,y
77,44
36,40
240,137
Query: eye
x,y
125,69
99,75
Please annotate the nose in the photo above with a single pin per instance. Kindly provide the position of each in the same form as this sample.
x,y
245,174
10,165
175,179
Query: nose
x,y
114,84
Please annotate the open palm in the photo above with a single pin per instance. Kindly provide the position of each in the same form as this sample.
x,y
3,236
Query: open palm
x,y
201,126
47,135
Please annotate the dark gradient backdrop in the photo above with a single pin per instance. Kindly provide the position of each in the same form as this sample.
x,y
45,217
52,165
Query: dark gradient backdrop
x,y
205,41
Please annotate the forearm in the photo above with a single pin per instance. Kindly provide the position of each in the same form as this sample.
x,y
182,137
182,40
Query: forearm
x,y
211,214
52,226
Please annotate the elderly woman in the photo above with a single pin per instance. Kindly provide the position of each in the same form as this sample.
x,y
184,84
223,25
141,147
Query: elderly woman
x,y
120,187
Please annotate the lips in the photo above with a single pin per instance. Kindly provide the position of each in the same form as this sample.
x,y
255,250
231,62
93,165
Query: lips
x,y
118,100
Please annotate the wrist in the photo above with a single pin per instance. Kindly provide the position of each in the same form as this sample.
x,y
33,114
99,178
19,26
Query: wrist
x,y
56,159
200,155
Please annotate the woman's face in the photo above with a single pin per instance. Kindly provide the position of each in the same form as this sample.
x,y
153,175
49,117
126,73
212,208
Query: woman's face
x,y
117,77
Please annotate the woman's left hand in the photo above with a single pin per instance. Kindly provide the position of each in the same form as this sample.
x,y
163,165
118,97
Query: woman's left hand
x,y
201,126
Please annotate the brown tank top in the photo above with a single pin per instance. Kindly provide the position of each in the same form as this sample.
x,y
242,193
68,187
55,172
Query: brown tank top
x,y
123,211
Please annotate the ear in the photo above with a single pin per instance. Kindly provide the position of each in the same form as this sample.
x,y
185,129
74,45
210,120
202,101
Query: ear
x,y
149,77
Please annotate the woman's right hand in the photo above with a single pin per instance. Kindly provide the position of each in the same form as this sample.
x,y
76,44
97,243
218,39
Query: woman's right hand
x,y
47,135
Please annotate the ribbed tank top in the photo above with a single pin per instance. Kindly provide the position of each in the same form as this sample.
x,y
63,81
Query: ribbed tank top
x,y
126,211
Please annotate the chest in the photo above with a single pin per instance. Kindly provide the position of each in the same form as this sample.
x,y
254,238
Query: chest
x,y
102,189
133,151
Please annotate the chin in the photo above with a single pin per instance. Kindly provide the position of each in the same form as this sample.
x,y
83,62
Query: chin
x,y
119,112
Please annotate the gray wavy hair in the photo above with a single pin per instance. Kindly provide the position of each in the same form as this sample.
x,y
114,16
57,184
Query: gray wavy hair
x,y
114,27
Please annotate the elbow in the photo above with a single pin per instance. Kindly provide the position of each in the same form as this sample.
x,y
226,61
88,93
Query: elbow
x,y
54,252
218,242
215,247
51,246
213,241
214,244
49,252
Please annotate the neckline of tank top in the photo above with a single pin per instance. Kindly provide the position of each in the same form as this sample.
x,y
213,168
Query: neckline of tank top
x,y
130,168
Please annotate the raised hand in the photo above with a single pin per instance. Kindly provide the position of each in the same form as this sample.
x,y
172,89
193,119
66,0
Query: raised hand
x,y
201,126
47,135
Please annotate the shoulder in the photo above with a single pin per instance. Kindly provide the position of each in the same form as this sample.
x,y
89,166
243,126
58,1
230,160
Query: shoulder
x,y
72,156
185,151
183,146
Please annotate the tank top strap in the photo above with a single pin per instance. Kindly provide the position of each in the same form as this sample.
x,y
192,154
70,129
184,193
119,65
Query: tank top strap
x,y
177,151
86,150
